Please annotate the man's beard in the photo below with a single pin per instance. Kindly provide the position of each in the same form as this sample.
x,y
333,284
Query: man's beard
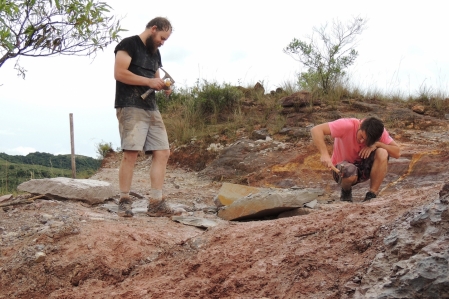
x,y
150,45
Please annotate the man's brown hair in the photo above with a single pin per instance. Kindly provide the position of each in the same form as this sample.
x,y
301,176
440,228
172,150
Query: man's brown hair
x,y
162,24
373,128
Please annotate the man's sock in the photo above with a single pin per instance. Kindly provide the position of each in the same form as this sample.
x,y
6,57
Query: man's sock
x,y
156,193
155,198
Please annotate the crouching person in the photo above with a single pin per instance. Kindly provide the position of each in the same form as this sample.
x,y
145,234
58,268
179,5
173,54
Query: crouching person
x,y
361,151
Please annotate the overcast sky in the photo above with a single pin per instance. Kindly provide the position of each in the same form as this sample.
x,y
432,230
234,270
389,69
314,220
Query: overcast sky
x,y
403,49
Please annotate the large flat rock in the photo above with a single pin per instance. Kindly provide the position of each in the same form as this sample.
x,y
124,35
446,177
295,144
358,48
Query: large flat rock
x,y
195,221
90,191
268,203
229,193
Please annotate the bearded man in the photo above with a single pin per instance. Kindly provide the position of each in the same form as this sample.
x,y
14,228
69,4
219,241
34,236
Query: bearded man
x,y
136,69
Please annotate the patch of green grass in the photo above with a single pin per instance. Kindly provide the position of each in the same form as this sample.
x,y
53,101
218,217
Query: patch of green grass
x,y
13,174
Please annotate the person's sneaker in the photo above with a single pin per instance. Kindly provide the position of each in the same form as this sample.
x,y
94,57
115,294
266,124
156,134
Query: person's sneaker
x,y
346,195
161,209
369,195
125,208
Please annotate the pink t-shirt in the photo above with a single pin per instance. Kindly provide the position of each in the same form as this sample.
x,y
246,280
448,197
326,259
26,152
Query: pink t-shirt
x,y
346,147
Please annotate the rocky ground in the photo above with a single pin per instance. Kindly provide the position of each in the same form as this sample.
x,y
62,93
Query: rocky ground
x,y
68,249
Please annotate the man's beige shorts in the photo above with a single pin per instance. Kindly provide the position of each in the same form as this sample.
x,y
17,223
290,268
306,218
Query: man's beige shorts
x,y
141,130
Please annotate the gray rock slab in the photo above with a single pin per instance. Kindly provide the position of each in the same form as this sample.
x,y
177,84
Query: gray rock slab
x,y
195,221
229,193
89,191
6,197
268,203
415,259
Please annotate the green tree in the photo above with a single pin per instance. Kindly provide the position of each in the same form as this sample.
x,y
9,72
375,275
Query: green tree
x,y
327,53
51,27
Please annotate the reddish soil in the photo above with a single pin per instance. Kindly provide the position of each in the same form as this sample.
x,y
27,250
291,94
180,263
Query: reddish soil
x,y
92,253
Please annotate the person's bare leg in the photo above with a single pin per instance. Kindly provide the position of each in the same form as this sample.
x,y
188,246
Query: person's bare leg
x,y
156,204
126,170
379,170
125,177
158,168
346,183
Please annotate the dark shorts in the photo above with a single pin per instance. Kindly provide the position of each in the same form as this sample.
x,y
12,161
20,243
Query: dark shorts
x,y
362,169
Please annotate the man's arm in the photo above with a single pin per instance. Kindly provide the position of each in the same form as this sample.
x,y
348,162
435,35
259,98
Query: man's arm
x,y
122,74
392,148
318,133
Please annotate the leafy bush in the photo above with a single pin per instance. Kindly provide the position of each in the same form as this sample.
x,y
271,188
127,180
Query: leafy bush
x,y
103,148
213,98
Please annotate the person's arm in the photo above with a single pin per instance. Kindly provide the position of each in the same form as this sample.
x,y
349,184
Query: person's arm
x,y
318,133
122,74
392,148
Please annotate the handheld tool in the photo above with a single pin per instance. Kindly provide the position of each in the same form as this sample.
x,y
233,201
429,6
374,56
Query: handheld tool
x,y
339,172
168,82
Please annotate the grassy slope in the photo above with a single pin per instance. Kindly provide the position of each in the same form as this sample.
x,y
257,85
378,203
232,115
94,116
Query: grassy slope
x,y
13,174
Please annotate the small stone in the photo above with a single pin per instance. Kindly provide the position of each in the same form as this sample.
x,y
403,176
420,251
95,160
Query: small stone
x,y
418,109
40,257
54,224
47,216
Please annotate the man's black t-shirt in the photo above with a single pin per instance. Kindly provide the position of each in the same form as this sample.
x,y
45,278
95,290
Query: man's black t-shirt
x,y
143,64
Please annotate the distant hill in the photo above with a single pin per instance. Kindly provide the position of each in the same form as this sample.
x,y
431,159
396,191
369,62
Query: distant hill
x,y
16,169
55,161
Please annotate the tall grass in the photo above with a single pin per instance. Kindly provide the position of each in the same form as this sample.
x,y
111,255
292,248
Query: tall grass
x,y
210,109
436,99
190,111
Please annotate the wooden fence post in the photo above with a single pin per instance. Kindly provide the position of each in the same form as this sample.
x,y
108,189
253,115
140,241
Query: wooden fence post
x,y
72,143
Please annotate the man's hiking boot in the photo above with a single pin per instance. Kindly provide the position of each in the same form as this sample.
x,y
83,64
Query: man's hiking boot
x,y
125,207
160,209
346,195
369,195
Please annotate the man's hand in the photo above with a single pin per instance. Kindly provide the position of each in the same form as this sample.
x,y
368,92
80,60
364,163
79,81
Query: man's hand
x,y
327,162
366,151
318,132
156,83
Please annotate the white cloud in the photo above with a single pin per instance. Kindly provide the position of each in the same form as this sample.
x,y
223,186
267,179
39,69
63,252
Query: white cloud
x,y
6,132
21,150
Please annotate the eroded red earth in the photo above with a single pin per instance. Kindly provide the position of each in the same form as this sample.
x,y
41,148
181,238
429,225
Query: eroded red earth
x,y
92,253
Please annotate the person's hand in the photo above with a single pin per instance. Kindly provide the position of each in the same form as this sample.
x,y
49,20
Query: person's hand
x,y
327,162
157,83
168,92
366,151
